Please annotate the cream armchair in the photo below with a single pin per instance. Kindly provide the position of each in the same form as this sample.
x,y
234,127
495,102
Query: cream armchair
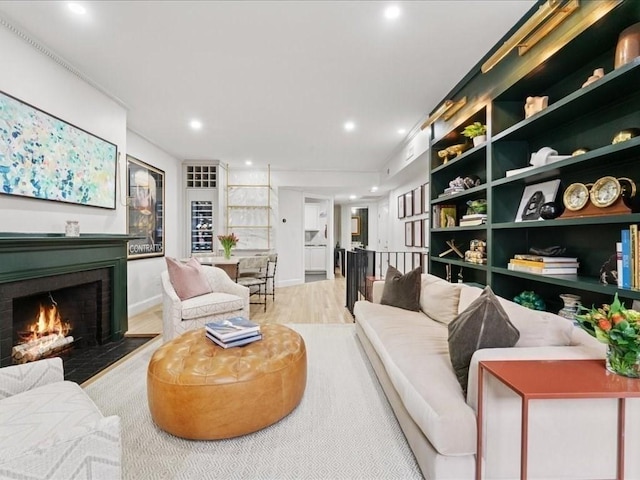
x,y
50,428
227,299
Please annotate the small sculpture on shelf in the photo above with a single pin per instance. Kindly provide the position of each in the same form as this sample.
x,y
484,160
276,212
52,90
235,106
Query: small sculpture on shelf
x,y
530,299
534,105
598,73
477,252
609,271
477,206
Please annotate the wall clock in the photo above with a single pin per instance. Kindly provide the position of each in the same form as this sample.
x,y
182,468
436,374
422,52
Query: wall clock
x,y
606,190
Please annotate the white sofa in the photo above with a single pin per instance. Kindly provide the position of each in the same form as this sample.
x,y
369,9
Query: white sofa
x,y
51,429
226,300
409,351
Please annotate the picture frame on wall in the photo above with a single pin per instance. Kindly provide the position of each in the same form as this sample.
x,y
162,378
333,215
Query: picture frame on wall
x,y
417,233
47,158
355,225
408,234
425,263
401,206
416,260
425,198
418,207
425,232
408,204
145,209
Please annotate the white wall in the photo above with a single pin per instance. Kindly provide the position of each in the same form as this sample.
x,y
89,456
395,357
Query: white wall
x,y
290,234
144,289
36,79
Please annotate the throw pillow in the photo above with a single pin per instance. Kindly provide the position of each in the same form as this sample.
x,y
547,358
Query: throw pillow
x,y
188,279
402,291
484,324
439,299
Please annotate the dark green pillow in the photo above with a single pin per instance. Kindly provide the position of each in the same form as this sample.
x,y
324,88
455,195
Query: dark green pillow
x,y
402,291
484,324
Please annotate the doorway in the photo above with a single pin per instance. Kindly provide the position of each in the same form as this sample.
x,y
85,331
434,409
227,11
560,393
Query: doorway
x,y
317,238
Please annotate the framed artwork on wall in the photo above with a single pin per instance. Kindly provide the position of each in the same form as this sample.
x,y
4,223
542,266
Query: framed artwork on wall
x,y
401,206
47,158
425,263
425,198
145,209
417,233
416,260
425,232
418,207
408,204
355,225
408,234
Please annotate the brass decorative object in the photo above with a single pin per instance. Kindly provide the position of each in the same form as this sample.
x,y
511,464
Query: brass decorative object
x,y
626,134
576,196
628,47
579,151
606,190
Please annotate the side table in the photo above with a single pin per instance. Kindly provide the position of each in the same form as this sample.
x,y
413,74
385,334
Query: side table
x,y
555,379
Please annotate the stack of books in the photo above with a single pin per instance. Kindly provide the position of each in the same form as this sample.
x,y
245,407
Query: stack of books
x,y
233,332
629,264
543,265
473,219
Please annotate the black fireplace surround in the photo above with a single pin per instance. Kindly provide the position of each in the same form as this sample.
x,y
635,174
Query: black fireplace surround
x,y
35,264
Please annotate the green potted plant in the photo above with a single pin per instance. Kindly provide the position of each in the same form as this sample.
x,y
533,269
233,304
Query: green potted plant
x,y
477,132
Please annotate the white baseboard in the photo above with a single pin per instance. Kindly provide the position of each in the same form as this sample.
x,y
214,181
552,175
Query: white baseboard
x,y
136,308
288,283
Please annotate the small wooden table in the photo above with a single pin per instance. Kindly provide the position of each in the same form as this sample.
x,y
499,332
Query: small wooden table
x,y
556,379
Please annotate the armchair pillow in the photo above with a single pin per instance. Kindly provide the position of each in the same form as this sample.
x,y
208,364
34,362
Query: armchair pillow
x,y
484,324
402,291
188,279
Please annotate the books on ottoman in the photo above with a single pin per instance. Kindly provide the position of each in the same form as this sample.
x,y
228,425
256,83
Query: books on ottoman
x,y
254,336
232,328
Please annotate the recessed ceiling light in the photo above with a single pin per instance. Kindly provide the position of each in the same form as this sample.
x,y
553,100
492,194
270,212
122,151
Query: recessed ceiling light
x,y
195,124
248,162
402,131
76,8
374,189
349,126
352,197
392,12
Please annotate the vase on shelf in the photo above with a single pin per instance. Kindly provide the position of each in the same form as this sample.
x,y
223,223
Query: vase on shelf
x,y
623,361
571,305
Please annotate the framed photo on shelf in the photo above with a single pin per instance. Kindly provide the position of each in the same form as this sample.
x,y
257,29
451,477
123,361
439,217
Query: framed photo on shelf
x,y
408,204
533,197
408,234
401,206
417,233
44,157
417,201
145,209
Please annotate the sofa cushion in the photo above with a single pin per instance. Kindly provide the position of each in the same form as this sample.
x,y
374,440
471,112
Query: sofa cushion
x,y
414,352
188,279
484,324
30,418
210,304
402,291
439,298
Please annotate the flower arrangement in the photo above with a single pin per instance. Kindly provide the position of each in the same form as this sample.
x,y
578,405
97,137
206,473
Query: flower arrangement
x,y
619,328
227,242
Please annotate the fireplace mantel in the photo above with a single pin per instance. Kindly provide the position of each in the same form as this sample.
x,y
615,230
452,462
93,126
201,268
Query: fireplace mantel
x,y
29,255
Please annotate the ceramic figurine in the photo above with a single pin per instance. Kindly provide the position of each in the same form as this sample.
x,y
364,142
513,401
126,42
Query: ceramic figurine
x,y
598,73
534,105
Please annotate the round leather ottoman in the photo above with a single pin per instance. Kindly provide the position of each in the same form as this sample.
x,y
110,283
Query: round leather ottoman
x,y
198,390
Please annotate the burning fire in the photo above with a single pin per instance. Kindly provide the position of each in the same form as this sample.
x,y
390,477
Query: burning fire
x,y
48,323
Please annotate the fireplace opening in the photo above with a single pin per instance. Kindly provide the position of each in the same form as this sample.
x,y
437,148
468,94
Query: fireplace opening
x,y
53,323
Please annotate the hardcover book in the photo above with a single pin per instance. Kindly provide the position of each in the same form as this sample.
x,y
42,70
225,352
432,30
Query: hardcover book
x,y
232,328
545,259
237,342
543,270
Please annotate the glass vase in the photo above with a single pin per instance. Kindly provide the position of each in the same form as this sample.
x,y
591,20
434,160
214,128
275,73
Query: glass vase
x,y
622,361
227,252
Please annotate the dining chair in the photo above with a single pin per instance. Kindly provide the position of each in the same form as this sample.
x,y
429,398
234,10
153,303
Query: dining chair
x,y
252,274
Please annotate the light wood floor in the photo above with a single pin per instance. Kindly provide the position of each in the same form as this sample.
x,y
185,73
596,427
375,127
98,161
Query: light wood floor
x,y
315,302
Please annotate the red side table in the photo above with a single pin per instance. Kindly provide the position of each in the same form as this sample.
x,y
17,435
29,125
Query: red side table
x,y
555,379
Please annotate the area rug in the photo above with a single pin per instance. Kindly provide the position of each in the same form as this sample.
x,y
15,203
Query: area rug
x,y
343,428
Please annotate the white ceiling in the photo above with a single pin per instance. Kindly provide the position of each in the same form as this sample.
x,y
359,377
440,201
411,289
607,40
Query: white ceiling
x,y
273,81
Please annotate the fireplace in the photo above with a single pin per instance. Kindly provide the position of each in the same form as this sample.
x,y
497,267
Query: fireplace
x,y
84,278
54,315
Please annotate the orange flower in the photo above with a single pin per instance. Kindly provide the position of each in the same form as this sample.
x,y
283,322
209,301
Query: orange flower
x,y
616,318
604,324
